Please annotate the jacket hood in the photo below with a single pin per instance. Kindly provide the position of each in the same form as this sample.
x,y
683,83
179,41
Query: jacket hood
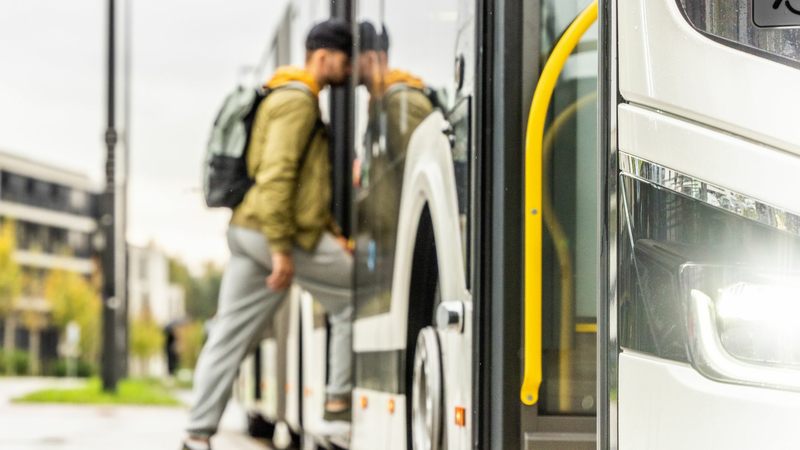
x,y
288,74
399,76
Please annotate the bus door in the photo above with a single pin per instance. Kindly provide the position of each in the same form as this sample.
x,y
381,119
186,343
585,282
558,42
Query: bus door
x,y
406,93
560,413
704,237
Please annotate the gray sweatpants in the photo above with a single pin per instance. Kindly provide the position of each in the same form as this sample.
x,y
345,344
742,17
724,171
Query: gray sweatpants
x,y
246,304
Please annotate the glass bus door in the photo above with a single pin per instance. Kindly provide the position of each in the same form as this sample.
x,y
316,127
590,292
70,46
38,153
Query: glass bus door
x,y
564,417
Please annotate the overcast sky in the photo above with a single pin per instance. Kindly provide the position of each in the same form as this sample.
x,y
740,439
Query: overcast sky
x,y
186,58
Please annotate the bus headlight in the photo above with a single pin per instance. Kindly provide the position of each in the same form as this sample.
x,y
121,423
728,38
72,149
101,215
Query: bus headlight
x,y
759,322
710,278
744,333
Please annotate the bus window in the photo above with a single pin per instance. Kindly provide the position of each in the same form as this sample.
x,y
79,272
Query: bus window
x,y
400,85
754,30
570,240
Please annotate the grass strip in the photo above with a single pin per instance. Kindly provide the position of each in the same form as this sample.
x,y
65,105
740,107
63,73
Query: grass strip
x,y
129,392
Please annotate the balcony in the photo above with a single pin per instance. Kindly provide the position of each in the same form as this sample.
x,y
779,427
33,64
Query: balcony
x,y
41,194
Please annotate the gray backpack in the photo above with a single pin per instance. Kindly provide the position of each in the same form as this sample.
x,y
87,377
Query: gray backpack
x,y
226,181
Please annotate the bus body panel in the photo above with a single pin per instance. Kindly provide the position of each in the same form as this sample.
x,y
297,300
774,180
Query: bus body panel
x,y
293,383
270,388
724,117
314,337
456,364
429,180
666,64
667,405
740,165
246,384
374,425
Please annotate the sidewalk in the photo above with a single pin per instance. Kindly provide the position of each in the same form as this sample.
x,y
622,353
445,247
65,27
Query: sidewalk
x,y
67,427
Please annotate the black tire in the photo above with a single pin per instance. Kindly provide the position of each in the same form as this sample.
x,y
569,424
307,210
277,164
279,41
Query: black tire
x,y
423,294
297,442
258,427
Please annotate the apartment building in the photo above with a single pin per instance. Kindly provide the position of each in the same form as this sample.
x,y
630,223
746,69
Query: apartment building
x,y
55,211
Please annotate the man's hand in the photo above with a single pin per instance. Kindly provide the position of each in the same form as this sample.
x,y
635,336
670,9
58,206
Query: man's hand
x,y
344,243
282,272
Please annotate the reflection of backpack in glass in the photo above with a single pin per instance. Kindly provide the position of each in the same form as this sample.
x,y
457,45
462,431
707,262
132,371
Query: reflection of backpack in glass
x,y
226,181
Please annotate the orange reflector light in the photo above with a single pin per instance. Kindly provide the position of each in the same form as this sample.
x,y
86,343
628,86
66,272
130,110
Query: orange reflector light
x,y
357,172
363,402
288,388
307,392
391,406
263,385
461,417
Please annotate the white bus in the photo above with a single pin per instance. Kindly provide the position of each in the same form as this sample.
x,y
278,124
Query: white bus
x,y
609,260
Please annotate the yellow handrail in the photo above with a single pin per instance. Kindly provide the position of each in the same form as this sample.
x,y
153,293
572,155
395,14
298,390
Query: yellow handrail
x,y
533,201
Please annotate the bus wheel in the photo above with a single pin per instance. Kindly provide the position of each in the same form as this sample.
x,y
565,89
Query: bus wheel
x,y
427,401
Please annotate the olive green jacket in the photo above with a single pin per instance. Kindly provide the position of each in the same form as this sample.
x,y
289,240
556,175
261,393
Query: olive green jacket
x,y
288,203
405,107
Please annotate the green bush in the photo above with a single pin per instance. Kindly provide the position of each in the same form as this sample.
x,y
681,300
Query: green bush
x,y
86,369
20,362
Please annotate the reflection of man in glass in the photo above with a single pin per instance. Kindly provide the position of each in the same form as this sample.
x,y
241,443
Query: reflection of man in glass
x,y
400,97
398,103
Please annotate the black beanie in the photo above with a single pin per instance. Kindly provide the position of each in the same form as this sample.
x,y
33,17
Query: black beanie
x,y
369,39
331,34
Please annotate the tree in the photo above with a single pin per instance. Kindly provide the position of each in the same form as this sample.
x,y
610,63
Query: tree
x,y
10,286
146,340
34,321
206,293
190,337
72,298
201,292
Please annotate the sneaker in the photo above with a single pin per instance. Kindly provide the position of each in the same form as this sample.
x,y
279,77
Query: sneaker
x,y
335,425
186,446
341,413
337,416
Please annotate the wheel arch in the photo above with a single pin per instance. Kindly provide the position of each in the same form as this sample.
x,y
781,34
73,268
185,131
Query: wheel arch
x,y
429,183
430,188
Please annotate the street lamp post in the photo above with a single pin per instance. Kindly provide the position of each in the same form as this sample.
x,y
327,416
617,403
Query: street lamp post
x,y
110,364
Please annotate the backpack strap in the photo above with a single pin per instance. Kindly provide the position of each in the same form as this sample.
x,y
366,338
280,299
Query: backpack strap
x,y
395,88
429,93
317,126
